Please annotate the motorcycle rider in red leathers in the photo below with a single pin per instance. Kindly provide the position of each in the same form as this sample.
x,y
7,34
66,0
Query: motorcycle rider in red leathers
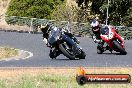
x,y
96,34
96,30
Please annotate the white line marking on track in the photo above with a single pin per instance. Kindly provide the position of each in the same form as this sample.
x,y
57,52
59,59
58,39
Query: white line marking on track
x,y
22,54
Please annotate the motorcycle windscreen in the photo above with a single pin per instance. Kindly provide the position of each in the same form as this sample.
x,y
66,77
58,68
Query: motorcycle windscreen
x,y
53,37
104,31
52,40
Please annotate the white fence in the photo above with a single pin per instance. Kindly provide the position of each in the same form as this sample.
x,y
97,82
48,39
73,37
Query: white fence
x,y
32,25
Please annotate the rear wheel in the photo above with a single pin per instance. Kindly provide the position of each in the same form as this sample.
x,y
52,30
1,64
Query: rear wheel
x,y
67,52
119,48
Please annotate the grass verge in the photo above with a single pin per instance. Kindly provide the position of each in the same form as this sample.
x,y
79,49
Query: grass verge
x,y
7,52
55,78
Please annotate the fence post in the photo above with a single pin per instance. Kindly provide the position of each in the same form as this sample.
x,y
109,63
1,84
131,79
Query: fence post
x,y
31,25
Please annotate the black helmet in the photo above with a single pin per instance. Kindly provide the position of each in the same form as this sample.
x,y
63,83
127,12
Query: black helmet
x,y
45,28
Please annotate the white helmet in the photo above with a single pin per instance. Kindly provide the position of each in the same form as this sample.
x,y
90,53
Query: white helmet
x,y
94,23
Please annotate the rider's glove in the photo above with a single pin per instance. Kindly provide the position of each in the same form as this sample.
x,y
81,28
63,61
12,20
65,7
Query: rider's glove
x,y
95,40
48,45
45,40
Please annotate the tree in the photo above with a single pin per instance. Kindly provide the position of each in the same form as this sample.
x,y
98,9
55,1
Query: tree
x,y
65,13
33,8
119,10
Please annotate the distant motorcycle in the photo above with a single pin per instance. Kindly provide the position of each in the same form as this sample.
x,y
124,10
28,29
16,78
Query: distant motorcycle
x,y
64,43
113,40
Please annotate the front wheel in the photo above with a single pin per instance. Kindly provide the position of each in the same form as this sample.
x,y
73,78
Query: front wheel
x,y
82,55
67,52
99,49
117,47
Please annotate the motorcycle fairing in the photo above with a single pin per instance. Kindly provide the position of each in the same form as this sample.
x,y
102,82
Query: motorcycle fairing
x,y
110,35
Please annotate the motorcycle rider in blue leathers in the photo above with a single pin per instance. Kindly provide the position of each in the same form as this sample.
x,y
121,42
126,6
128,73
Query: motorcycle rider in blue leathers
x,y
50,35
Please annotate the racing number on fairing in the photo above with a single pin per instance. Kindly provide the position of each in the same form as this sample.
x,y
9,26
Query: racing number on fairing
x,y
110,35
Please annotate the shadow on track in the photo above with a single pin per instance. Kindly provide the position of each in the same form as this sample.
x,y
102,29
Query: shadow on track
x,y
62,59
111,53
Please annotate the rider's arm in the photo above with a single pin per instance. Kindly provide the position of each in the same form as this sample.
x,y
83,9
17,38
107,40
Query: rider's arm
x,y
69,34
95,39
45,40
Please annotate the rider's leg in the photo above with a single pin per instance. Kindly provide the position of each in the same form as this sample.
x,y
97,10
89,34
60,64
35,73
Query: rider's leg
x,y
74,38
72,43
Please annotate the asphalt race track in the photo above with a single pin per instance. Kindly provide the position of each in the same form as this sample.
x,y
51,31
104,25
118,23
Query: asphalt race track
x,y
33,43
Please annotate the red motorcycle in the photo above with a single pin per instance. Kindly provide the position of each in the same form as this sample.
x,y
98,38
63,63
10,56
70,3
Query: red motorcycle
x,y
113,40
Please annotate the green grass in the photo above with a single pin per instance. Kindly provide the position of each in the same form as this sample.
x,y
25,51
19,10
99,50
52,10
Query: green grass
x,y
7,52
52,81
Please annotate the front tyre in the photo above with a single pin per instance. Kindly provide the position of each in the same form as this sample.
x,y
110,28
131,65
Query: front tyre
x,y
82,55
99,49
119,48
66,52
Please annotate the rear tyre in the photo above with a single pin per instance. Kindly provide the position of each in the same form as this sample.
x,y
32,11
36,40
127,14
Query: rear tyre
x,y
66,53
119,48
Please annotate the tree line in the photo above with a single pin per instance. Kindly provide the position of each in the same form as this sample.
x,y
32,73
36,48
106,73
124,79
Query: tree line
x,y
120,11
33,8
